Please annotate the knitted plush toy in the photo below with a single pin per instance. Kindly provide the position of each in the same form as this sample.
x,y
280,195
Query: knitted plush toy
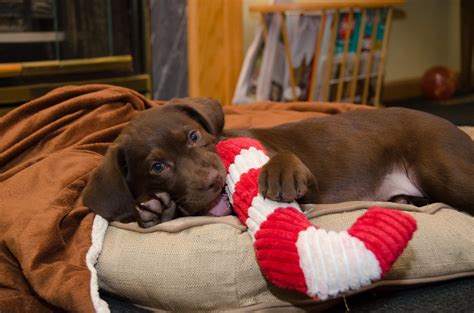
x,y
295,254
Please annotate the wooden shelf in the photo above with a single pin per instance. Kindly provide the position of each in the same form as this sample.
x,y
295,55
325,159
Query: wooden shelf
x,y
17,94
30,37
117,63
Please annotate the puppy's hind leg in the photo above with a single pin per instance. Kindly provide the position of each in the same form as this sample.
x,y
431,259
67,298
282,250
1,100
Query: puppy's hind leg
x,y
446,173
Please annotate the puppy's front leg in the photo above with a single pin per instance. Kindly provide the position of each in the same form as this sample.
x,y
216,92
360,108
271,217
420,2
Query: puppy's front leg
x,y
286,178
155,209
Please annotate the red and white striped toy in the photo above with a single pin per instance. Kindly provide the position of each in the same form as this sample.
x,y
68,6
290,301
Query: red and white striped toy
x,y
295,254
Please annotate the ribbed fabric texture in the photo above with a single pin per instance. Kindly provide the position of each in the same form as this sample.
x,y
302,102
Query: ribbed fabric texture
x,y
385,233
295,254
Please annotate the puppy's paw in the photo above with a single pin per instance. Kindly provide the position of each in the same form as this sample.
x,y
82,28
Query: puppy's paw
x,y
155,209
285,178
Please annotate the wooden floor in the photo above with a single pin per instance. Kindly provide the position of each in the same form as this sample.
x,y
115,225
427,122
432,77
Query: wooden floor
x,y
459,109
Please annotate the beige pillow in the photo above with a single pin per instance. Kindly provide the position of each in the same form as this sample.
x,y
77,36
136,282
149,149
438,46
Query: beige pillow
x,y
208,263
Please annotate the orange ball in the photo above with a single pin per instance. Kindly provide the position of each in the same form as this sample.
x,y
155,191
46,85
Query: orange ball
x,y
439,83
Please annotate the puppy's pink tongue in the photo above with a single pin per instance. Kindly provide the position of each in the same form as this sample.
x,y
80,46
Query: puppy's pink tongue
x,y
222,208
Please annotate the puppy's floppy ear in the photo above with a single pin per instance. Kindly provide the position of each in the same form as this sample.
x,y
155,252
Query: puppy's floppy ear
x,y
107,193
206,111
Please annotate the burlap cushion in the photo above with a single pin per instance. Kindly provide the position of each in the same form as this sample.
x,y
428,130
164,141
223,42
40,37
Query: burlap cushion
x,y
208,263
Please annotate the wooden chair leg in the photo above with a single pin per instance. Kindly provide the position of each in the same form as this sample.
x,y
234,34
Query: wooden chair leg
x,y
355,72
342,73
317,52
383,53
368,70
330,57
286,43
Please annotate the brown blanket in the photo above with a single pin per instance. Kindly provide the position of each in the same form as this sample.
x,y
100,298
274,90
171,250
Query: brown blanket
x,y
48,148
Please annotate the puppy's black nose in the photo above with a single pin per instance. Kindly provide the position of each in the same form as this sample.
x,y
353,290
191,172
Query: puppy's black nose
x,y
214,181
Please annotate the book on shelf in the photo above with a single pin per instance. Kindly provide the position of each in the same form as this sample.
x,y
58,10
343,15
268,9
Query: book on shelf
x,y
270,80
302,42
246,89
260,76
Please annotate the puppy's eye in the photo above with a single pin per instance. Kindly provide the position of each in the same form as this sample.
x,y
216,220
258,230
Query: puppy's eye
x,y
194,136
158,166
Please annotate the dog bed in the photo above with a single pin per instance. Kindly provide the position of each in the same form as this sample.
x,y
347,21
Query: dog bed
x,y
51,241
208,263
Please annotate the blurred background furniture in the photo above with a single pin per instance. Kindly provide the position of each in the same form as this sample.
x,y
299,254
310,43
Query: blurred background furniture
x,y
177,48
215,48
362,25
45,44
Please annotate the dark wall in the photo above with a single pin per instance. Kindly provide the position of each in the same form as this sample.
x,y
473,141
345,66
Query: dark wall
x,y
169,48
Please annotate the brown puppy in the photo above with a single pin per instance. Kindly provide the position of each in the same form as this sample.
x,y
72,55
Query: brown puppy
x,y
164,159
163,151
